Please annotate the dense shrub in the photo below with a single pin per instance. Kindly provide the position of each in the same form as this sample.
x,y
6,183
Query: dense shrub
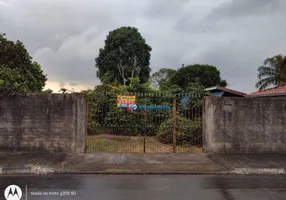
x,y
188,131
97,100
131,124
92,127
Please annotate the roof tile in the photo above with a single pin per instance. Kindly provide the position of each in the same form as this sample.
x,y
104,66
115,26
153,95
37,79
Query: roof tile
x,y
280,89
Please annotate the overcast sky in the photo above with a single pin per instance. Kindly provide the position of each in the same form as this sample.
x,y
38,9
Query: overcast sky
x,y
64,36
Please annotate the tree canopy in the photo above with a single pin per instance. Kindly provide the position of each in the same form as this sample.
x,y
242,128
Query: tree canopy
x,y
161,79
63,90
18,73
272,72
206,75
125,55
48,91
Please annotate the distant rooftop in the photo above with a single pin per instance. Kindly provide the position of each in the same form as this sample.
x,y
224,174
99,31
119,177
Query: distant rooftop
x,y
218,91
279,90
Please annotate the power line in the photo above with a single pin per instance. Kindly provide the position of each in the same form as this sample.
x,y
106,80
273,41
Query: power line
x,y
258,53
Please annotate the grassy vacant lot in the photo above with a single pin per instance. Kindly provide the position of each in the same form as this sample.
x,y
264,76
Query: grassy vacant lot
x,y
134,144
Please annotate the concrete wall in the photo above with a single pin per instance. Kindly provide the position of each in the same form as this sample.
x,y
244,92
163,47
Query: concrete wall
x,y
244,125
43,122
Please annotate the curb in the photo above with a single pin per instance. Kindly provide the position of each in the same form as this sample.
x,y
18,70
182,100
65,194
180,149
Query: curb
x,y
15,170
264,171
138,173
25,170
43,171
236,171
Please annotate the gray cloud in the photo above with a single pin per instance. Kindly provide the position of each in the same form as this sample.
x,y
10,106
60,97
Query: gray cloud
x,y
168,11
62,84
73,84
248,9
65,36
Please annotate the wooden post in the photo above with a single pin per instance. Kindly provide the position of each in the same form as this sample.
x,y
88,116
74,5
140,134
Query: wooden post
x,y
144,150
174,126
86,126
203,116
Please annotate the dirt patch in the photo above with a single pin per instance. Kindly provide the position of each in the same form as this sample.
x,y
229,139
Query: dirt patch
x,y
134,144
155,168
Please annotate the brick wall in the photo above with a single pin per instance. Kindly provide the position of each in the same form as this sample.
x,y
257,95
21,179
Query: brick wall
x,y
43,122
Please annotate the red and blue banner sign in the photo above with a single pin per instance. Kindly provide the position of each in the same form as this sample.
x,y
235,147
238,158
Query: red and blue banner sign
x,y
124,101
129,102
131,108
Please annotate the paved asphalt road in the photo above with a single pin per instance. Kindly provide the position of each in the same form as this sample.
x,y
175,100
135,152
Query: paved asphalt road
x,y
148,187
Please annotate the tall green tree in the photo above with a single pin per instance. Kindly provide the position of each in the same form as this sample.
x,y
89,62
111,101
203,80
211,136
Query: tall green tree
x,y
161,78
206,75
18,72
272,72
125,55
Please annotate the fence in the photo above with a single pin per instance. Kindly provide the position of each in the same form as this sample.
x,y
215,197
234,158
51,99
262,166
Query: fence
x,y
144,122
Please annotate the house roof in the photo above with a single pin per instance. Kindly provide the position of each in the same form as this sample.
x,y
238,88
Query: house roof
x,y
225,90
276,91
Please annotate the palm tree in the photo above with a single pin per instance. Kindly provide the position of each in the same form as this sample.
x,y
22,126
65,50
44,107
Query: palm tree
x,y
273,72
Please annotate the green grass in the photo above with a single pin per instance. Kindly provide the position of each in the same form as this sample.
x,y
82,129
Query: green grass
x,y
132,144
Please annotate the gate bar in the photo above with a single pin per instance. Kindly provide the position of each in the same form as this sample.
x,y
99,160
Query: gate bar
x,y
174,126
145,132
86,126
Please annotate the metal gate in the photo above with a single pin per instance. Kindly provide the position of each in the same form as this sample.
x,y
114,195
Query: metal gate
x,y
144,122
